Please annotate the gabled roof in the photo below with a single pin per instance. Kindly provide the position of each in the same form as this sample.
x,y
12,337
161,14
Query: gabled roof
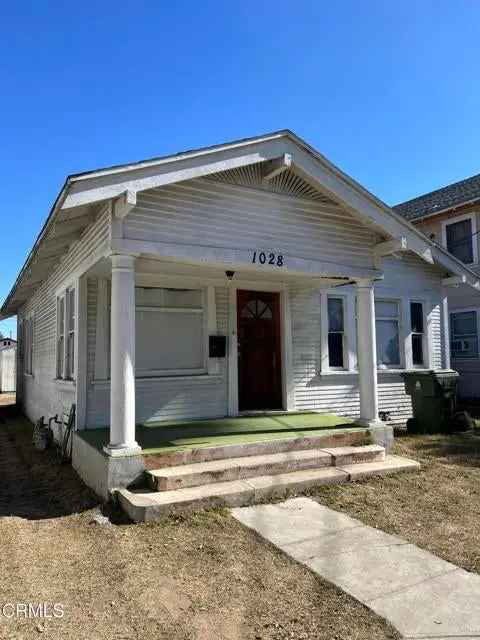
x,y
453,195
77,203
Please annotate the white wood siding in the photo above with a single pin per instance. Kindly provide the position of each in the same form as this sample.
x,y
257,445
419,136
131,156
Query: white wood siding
x,y
41,393
405,278
215,214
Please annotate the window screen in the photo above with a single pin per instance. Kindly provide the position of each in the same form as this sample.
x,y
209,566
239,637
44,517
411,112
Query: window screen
x,y
464,336
417,332
460,240
170,335
387,330
335,332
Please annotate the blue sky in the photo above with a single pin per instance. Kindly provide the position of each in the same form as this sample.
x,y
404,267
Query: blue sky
x,y
388,91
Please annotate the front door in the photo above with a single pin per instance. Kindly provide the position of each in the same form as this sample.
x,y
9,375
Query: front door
x,y
259,362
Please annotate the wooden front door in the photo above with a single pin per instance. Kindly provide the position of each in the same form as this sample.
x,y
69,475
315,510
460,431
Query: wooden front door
x,y
259,360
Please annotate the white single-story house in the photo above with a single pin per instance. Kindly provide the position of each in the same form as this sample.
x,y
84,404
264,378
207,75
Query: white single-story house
x,y
249,276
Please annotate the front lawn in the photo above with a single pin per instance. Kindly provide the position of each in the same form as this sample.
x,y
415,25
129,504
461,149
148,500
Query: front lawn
x,y
195,578
437,508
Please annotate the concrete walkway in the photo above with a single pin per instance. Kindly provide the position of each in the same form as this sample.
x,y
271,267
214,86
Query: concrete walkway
x,y
423,596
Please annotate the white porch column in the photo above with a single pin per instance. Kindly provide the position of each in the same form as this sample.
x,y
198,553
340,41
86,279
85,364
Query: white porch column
x,y
367,353
381,432
122,358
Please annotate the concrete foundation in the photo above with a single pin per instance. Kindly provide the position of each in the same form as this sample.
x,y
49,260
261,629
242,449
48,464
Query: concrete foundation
x,y
101,472
382,434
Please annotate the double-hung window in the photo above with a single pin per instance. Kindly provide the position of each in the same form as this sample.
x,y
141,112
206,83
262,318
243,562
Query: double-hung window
x,y
464,334
28,327
387,325
417,333
336,333
460,238
170,331
66,325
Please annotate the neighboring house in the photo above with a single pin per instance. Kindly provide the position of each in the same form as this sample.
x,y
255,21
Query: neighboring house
x,y
8,365
252,275
7,343
450,216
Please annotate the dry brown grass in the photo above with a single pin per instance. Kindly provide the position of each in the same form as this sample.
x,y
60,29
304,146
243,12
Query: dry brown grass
x,y
437,508
203,577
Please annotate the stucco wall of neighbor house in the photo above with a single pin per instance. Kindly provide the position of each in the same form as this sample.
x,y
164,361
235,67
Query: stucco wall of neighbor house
x,y
40,393
460,298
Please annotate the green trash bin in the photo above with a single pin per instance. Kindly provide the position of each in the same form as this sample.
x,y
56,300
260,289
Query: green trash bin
x,y
433,396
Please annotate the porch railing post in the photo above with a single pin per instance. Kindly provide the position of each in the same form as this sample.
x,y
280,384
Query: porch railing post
x,y
122,358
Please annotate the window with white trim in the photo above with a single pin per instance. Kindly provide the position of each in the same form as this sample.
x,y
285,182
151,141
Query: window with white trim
x,y
28,336
170,331
66,325
459,239
464,334
417,333
336,333
387,325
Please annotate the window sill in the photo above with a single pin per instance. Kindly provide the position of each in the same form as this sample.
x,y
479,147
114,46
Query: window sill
x,y
28,375
66,384
354,372
203,377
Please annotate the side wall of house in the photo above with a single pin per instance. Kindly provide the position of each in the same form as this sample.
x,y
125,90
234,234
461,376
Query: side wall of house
x,y
41,394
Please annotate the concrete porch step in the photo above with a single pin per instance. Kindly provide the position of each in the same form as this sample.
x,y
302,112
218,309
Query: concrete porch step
x,y
201,473
142,506
353,436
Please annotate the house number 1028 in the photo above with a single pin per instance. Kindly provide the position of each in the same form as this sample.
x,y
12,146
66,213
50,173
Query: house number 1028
x,y
275,259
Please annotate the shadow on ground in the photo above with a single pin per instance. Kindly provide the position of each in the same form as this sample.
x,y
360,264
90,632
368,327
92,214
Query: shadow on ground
x,y
34,484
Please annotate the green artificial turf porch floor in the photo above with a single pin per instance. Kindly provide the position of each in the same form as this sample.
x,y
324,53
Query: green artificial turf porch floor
x,y
156,437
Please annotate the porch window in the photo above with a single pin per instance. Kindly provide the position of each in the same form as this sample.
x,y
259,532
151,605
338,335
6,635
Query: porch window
x,y
464,334
417,332
170,331
66,321
387,324
28,345
336,332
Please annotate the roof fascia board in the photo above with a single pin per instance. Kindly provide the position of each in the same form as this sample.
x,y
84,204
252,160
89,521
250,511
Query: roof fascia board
x,y
194,153
107,186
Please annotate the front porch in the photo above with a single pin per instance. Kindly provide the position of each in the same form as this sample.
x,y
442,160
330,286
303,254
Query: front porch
x,y
169,437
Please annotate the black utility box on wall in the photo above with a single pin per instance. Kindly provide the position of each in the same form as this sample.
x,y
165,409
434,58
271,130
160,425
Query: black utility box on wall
x,y
217,346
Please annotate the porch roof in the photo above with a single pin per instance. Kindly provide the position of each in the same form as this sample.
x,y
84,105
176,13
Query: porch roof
x,y
77,203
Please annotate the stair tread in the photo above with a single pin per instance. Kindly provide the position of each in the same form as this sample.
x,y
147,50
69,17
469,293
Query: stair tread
x,y
247,488
325,456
